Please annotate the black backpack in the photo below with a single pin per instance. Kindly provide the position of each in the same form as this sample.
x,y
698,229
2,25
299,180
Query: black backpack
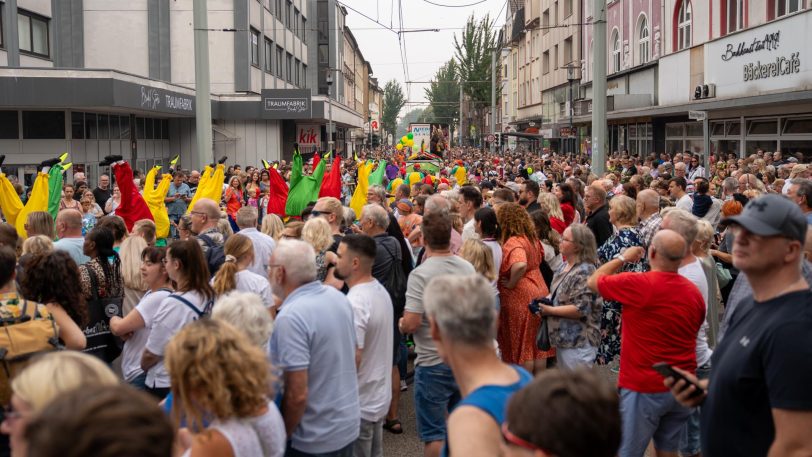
x,y
215,255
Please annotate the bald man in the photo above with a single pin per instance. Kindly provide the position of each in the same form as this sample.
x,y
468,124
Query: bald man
x,y
205,216
662,315
69,231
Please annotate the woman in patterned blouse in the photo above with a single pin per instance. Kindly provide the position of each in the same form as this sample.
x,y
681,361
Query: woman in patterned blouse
x,y
574,317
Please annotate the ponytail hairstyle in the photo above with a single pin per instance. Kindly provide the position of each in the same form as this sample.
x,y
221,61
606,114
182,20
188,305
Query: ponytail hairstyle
x,y
104,239
236,249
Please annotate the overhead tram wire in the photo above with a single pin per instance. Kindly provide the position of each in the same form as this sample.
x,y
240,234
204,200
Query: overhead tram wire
x,y
455,6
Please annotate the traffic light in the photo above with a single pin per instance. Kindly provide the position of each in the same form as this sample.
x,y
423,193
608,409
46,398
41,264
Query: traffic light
x,y
499,139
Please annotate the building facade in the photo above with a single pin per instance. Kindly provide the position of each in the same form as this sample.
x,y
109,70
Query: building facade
x,y
742,64
99,77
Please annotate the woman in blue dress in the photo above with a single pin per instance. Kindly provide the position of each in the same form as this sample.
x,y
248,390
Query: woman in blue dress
x,y
623,216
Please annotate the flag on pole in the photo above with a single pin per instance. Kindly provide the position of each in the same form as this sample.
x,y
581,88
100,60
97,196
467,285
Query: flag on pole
x,y
359,198
303,189
331,185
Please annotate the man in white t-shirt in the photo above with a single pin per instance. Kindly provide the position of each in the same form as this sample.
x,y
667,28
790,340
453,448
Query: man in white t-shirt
x,y
374,330
470,200
691,269
677,190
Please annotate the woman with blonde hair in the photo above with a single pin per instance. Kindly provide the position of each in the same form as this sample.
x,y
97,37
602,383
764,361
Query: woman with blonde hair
x,y
218,375
318,234
40,223
134,285
48,377
272,226
520,282
480,256
246,312
37,244
550,205
234,273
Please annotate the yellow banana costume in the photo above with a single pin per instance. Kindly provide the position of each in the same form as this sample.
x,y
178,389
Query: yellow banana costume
x,y
359,198
38,201
210,186
154,196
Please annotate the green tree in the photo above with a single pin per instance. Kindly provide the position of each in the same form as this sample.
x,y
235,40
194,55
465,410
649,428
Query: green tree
x,y
393,101
413,115
473,52
443,95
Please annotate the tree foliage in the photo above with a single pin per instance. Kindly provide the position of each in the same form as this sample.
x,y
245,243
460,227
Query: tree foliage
x,y
473,52
443,94
393,101
413,115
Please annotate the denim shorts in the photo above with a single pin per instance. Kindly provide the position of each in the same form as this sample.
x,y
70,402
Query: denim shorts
x,y
689,441
435,395
655,416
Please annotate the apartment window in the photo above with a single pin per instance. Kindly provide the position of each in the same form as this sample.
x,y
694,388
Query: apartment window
x,y
567,8
254,47
545,21
324,54
515,65
289,64
545,62
278,9
643,42
1,29
288,13
784,7
32,31
296,30
555,13
43,125
304,76
9,127
568,50
555,57
268,55
279,62
735,15
296,69
304,30
615,52
684,26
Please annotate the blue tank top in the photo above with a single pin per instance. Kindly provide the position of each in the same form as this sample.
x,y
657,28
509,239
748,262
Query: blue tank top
x,y
492,399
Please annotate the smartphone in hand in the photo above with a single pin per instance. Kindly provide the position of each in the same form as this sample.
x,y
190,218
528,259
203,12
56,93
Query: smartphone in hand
x,y
533,306
668,372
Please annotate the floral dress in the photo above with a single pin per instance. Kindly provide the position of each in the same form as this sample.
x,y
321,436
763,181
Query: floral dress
x,y
609,347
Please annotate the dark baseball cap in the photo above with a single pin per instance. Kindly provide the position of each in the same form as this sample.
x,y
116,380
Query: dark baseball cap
x,y
770,215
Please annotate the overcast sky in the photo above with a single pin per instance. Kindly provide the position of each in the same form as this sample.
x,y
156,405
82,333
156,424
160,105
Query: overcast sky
x,y
425,51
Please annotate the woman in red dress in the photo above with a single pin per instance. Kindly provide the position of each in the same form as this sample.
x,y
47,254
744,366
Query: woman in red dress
x,y
520,282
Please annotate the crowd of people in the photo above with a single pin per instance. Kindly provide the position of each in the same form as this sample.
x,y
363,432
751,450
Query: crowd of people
x,y
191,314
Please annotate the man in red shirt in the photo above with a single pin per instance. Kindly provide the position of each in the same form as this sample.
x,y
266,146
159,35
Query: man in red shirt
x,y
662,314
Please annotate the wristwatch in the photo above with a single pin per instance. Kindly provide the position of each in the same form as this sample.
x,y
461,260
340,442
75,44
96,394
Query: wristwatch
x,y
620,256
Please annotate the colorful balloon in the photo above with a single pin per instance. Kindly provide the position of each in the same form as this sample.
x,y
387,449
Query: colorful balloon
x,y
410,135
399,146
404,139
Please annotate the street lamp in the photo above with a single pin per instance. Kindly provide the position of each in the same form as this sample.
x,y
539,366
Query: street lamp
x,y
330,110
570,78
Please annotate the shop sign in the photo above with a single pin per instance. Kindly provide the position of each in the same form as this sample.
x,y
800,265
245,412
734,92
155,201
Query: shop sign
x,y
286,104
774,56
155,99
308,135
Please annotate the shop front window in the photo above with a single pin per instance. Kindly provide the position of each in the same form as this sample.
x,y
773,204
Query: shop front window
x,y
751,146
